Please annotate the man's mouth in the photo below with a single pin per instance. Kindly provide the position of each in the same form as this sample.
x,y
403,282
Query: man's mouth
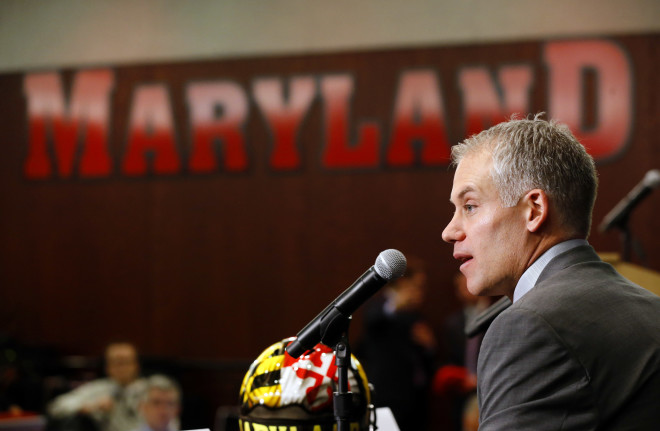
x,y
463,258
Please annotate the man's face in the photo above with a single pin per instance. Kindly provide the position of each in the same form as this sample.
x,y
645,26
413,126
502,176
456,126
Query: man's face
x,y
160,408
410,291
488,239
122,363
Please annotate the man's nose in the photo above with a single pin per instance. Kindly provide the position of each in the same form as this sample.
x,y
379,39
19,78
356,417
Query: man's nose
x,y
453,232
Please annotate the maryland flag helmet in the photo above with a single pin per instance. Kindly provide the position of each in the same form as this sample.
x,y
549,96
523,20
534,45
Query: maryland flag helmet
x,y
287,394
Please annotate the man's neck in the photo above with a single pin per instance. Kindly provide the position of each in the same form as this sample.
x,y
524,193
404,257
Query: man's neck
x,y
538,244
529,278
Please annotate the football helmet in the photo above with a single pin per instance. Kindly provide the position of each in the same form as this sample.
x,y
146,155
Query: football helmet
x,y
284,393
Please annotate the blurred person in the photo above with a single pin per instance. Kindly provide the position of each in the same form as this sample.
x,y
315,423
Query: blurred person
x,y
398,348
160,405
461,350
579,349
456,380
16,391
105,404
21,377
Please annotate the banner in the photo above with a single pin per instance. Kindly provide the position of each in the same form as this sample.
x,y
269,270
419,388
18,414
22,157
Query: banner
x,y
372,110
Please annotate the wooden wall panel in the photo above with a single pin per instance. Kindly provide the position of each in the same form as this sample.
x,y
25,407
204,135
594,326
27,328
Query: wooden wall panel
x,y
221,265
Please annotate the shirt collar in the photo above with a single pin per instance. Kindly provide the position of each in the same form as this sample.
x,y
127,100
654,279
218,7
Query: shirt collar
x,y
531,274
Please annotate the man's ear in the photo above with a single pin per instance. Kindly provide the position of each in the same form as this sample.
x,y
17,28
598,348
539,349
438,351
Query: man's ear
x,y
536,209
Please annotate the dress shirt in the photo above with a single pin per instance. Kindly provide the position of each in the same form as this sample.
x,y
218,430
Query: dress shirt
x,y
531,274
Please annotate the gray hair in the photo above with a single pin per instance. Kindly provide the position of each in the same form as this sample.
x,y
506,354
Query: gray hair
x,y
535,153
160,382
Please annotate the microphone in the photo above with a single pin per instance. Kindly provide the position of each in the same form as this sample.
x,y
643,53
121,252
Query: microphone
x,y
329,325
618,216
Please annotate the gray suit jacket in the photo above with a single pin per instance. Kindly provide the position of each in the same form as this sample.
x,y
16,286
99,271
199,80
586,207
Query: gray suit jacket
x,y
580,351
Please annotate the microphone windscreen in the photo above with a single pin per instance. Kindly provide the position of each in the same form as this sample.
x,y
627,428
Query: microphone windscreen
x,y
652,178
390,264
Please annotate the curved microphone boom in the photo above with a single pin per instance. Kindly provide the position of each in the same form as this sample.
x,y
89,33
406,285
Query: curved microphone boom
x,y
618,216
333,321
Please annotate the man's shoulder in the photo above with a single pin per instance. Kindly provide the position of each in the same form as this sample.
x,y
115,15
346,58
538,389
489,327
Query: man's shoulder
x,y
140,382
69,402
597,280
590,295
102,384
134,391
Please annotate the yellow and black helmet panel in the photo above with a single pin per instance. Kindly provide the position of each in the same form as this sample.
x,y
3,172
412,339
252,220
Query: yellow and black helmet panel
x,y
279,389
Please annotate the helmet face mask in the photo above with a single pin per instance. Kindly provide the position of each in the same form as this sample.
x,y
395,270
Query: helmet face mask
x,y
285,394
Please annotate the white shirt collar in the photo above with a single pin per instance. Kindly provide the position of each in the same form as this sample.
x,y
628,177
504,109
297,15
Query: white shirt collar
x,y
531,274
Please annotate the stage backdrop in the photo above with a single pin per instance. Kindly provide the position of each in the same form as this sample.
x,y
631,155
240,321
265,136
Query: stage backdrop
x,y
206,209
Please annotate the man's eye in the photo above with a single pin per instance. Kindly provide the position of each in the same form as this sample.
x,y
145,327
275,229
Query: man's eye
x,y
468,208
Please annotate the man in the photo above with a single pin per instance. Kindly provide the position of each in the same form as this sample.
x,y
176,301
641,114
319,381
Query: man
x,y
160,405
579,349
107,404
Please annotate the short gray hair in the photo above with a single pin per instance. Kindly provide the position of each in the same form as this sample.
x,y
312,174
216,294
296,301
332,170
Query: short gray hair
x,y
535,153
160,382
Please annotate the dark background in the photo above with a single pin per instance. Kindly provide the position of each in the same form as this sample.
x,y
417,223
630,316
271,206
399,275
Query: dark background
x,y
203,272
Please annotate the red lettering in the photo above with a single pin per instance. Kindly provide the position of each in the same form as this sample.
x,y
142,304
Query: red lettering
x,y
485,103
151,132
567,62
339,153
284,119
88,112
218,111
418,115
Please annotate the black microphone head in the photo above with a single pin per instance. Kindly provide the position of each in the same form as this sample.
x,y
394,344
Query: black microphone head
x,y
390,264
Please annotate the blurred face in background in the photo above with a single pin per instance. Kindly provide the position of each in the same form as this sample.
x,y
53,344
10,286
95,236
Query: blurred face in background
x,y
121,363
160,408
408,292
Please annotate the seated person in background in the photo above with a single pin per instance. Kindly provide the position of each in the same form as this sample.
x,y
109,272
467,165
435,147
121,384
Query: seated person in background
x,y
107,404
398,348
160,405
457,379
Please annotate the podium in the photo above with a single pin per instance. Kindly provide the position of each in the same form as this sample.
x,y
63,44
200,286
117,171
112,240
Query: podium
x,y
647,278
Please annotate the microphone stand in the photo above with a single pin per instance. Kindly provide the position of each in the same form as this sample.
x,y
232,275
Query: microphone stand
x,y
626,240
331,328
343,398
629,243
